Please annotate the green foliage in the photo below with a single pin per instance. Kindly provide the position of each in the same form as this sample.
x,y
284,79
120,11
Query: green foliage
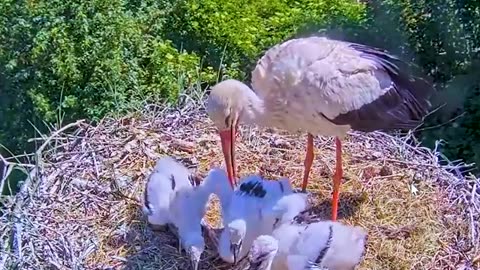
x,y
235,33
90,58
63,60
87,58
444,39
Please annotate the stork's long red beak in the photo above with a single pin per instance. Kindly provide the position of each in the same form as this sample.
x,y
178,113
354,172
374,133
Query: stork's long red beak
x,y
227,138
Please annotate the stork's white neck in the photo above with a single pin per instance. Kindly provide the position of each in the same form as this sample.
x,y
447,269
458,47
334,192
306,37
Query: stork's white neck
x,y
254,111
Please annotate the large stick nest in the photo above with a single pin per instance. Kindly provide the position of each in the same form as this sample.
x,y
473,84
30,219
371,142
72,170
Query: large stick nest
x,y
80,209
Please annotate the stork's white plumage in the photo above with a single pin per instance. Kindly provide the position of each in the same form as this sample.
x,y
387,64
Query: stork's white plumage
x,y
285,209
187,210
171,199
262,253
244,222
167,176
299,262
320,86
327,244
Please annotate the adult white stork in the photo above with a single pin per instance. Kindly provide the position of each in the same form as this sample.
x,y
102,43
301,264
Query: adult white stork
x,y
320,86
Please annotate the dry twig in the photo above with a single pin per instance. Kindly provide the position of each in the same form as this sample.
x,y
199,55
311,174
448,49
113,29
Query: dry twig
x,y
85,211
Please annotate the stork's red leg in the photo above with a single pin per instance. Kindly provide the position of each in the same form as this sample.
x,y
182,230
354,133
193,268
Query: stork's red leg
x,y
308,161
337,179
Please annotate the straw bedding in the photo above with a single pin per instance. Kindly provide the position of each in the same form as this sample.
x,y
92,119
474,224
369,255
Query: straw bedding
x,y
81,207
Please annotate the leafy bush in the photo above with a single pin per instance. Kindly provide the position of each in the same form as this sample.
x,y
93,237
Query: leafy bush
x,y
445,40
90,58
235,33
86,58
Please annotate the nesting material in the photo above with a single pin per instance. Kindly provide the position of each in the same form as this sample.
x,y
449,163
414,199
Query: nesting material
x,y
82,208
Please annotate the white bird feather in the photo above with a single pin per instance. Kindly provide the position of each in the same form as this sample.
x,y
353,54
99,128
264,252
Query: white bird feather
x,y
244,222
187,210
262,252
217,183
170,199
285,209
326,244
167,176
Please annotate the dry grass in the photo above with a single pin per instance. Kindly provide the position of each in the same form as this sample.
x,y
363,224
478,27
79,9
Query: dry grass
x,y
81,209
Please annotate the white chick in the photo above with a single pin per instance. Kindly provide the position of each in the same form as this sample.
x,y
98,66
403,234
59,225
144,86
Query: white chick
x,y
285,209
167,176
187,210
326,244
244,221
262,252
171,198
217,183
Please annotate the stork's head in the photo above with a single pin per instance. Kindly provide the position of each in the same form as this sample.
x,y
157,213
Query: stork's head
x,y
237,230
194,245
262,252
230,102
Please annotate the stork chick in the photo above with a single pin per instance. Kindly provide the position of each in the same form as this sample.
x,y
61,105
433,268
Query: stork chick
x,y
187,210
327,244
167,176
174,197
244,222
216,182
262,252
298,262
285,209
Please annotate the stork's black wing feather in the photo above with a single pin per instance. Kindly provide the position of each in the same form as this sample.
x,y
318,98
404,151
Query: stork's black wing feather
x,y
402,107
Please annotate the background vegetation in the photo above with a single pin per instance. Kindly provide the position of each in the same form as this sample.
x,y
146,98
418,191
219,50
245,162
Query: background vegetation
x,y
70,59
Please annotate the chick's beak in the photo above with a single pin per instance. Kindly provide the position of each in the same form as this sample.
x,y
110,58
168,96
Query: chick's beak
x,y
227,138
